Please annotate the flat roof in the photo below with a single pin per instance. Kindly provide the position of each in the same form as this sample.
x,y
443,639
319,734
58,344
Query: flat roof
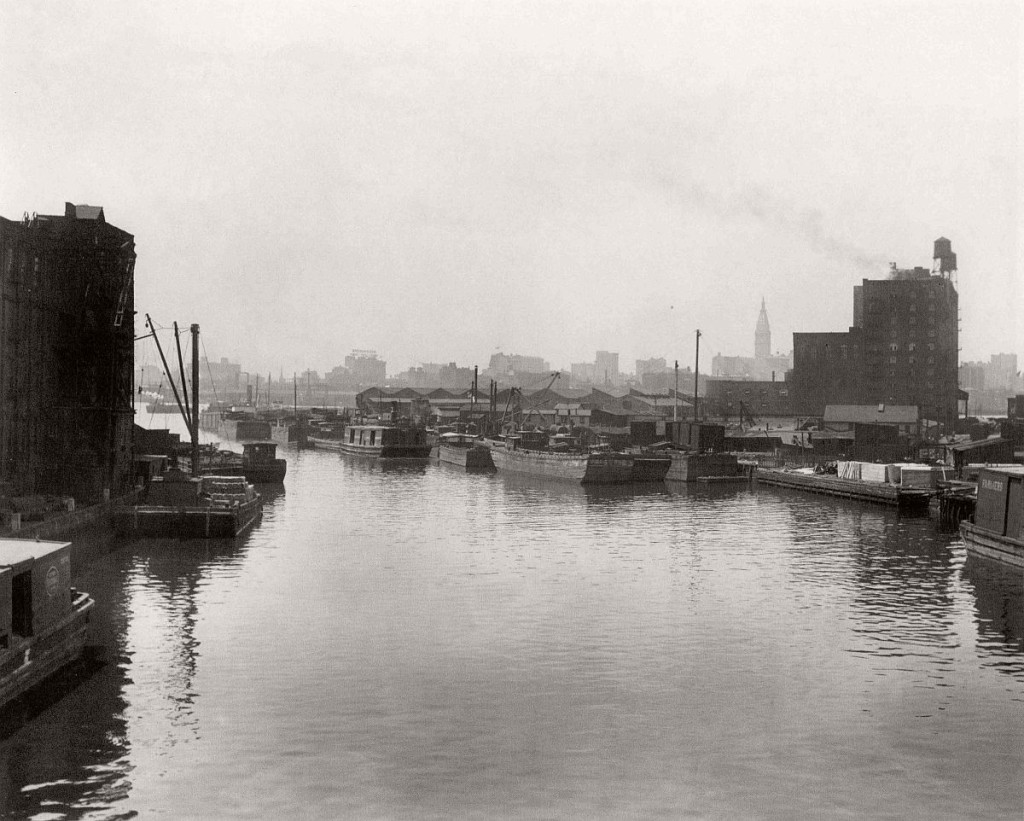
x,y
16,551
872,414
1012,470
979,444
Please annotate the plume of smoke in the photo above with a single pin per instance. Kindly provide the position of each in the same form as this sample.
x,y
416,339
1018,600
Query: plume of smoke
x,y
809,224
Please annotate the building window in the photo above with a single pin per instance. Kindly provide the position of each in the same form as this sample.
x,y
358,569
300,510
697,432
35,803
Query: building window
x,y
892,360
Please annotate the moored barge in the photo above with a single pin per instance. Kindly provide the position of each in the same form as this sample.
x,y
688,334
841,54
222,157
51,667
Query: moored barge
x,y
258,463
603,467
387,441
997,531
208,507
464,450
689,466
649,467
43,620
882,492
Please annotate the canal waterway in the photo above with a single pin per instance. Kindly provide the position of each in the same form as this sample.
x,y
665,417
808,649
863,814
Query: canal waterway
x,y
407,640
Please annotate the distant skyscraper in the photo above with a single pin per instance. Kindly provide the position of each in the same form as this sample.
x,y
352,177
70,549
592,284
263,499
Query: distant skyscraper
x,y
762,335
606,367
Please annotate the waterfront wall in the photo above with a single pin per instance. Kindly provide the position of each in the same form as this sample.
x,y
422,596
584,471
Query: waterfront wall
x,y
72,524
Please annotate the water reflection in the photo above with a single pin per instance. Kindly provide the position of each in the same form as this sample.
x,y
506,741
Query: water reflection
x,y
65,747
411,641
891,574
531,489
999,612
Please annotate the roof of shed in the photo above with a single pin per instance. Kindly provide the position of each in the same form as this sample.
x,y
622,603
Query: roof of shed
x,y
873,414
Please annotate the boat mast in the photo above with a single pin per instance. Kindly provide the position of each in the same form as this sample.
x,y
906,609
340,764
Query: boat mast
x,y
195,399
675,397
696,369
163,359
181,371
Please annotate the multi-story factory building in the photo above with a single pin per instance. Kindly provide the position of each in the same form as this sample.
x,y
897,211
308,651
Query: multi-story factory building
x,y
66,355
901,349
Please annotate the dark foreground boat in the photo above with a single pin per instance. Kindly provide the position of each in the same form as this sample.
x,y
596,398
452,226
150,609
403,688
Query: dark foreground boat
x,y
43,620
464,450
997,531
178,506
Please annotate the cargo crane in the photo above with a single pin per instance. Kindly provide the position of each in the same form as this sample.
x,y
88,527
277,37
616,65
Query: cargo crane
x,y
513,406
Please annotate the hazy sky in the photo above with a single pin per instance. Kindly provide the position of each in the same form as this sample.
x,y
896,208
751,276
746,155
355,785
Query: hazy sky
x,y
441,181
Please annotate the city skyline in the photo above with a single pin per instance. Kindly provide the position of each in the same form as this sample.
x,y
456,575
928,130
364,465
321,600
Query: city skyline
x,y
449,181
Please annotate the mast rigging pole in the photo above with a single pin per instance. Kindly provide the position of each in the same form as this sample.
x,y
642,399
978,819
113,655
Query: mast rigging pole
x,y
195,400
696,369
181,370
167,370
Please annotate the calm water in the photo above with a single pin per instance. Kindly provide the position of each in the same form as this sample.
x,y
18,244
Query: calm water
x,y
409,641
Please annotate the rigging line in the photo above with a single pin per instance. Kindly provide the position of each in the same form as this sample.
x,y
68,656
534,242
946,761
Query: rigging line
x,y
209,370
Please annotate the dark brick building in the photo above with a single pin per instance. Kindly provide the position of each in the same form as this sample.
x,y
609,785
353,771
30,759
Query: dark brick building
x,y
66,355
910,342
901,349
827,370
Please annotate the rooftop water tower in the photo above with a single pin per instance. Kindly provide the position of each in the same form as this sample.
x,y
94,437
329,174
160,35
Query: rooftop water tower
x,y
943,260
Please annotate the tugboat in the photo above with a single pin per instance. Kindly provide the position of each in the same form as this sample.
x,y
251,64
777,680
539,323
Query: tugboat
x,y
43,620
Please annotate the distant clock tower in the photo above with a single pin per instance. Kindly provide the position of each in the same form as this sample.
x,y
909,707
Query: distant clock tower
x,y
762,335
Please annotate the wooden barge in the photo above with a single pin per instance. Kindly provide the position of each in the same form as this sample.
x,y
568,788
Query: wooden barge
x,y
649,467
603,467
464,450
43,620
690,467
859,489
176,506
997,531
244,428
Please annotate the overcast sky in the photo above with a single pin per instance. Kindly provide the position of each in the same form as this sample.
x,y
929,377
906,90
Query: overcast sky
x,y
442,181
